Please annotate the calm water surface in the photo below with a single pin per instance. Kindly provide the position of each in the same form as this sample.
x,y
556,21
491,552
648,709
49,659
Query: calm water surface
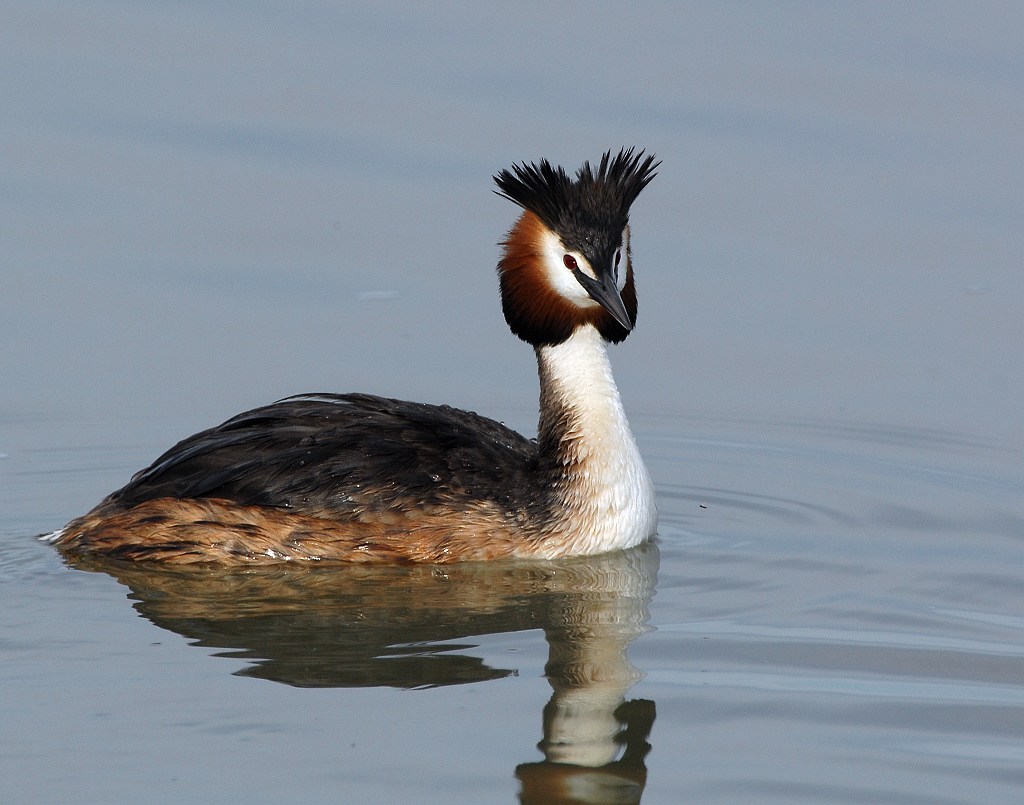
x,y
829,614
204,211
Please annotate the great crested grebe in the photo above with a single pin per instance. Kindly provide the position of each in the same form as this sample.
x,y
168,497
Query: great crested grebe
x,y
358,478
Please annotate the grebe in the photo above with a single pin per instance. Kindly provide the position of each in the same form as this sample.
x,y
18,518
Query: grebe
x,y
360,478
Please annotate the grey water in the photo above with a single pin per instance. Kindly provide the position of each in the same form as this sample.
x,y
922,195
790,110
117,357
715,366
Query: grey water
x,y
205,207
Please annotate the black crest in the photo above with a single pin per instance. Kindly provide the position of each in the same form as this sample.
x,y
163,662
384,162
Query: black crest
x,y
594,202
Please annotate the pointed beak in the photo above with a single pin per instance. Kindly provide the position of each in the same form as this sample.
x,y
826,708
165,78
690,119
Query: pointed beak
x,y
604,292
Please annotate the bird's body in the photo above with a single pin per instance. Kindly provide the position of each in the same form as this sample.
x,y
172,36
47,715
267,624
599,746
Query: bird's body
x,y
361,478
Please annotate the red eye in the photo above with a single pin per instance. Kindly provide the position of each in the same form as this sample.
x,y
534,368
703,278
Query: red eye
x,y
569,262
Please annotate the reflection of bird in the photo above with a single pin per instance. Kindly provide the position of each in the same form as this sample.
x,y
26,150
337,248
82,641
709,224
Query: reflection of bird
x,y
620,781
409,625
360,478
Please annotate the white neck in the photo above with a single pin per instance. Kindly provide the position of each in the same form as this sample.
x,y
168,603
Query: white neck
x,y
606,493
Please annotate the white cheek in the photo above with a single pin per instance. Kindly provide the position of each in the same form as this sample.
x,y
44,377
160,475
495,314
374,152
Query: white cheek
x,y
620,280
559,277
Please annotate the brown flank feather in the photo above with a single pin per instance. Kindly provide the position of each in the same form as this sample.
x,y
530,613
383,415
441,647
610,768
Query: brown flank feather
x,y
181,532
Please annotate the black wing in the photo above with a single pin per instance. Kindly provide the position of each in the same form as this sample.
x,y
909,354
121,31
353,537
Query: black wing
x,y
346,453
